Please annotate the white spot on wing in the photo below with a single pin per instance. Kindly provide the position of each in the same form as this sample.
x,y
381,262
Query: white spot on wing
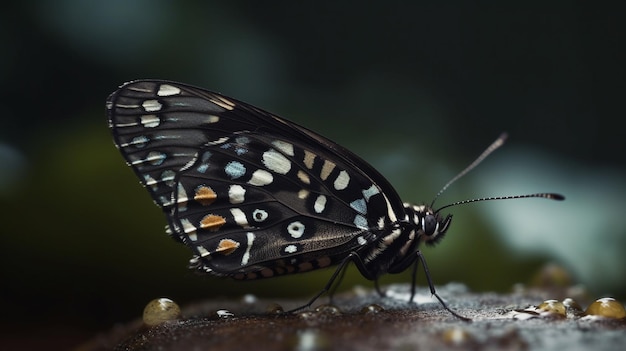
x,y
291,249
320,204
239,217
295,229
261,177
181,194
151,105
202,251
193,236
246,255
168,90
187,226
342,180
236,194
283,146
277,162
149,181
150,121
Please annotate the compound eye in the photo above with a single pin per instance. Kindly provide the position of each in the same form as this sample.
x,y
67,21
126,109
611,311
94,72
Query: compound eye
x,y
429,225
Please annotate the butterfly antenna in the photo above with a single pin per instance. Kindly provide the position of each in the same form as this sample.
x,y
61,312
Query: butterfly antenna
x,y
493,147
550,196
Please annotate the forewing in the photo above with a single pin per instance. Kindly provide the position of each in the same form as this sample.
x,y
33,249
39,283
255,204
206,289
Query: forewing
x,y
252,194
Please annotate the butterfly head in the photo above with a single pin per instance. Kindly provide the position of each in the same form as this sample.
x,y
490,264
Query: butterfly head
x,y
430,225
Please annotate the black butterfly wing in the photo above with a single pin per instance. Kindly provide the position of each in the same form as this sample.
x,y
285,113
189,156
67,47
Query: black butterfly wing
x,y
252,194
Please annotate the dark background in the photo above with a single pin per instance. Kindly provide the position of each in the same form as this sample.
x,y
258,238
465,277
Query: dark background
x,y
416,89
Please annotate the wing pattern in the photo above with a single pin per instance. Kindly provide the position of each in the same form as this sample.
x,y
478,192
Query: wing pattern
x,y
253,195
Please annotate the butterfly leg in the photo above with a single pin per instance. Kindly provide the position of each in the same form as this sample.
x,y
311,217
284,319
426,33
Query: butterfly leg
x,y
431,286
332,289
339,273
377,287
414,277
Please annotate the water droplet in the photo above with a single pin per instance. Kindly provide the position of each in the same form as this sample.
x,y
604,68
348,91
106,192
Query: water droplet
x,y
328,309
606,307
160,310
274,308
551,308
572,306
372,309
224,314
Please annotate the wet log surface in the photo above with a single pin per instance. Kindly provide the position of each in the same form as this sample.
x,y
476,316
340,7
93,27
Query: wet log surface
x,y
361,320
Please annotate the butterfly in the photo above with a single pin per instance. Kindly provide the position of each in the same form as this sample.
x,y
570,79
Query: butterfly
x,y
254,195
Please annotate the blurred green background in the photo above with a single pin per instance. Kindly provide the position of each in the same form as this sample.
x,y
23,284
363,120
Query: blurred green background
x,y
416,89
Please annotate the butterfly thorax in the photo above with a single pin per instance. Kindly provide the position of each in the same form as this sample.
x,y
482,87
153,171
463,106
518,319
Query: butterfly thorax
x,y
398,244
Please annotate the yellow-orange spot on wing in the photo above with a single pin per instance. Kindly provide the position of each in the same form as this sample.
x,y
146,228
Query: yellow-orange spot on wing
x,y
212,222
205,195
227,246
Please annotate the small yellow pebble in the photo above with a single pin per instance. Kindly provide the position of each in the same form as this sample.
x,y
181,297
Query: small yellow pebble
x,y
160,310
606,307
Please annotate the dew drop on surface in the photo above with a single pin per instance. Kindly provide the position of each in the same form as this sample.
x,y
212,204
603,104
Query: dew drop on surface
x,y
372,309
572,306
307,315
274,308
328,309
224,314
552,307
160,310
606,307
